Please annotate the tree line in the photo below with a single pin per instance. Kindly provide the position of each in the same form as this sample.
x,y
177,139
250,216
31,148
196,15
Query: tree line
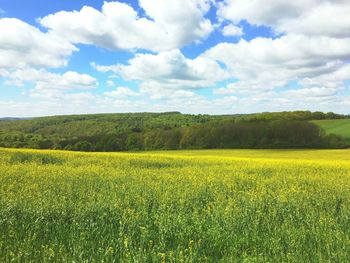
x,y
280,133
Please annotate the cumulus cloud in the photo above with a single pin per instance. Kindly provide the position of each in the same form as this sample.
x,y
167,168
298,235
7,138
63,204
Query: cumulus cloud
x,y
78,104
156,91
22,45
313,92
110,83
168,24
232,30
334,79
308,62
311,17
266,64
169,70
121,92
48,80
51,85
304,66
169,73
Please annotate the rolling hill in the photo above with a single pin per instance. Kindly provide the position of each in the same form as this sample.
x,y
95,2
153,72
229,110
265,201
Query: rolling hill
x,y
338,127
170,130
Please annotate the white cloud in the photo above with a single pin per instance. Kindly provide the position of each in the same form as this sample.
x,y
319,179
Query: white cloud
x,y
156,91
121,92
48,80
172,66
22,45
326,19
104,69
334,79
232,30
260,13
51,85
313,92
266,64
167,75
70,104
169,24
169,70
291,50
312,53
306,67
307,17
110,83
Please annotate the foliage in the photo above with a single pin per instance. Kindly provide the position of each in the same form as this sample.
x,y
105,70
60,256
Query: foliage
x,y
180,206
292,115
155,131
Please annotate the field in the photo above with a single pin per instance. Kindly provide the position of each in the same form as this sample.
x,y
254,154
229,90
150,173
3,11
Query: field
x,y
338,127
183,206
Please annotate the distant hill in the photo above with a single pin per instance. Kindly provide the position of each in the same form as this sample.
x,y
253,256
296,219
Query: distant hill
x,y
13,119
338,127
97,124
169,130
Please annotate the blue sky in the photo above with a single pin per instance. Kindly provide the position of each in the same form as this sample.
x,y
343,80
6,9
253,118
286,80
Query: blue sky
x,y
193,56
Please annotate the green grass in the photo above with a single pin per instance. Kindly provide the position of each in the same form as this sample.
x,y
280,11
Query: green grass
x,y
175,206
338,127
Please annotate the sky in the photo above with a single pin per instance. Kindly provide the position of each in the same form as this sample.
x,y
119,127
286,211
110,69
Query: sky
x,y
193,56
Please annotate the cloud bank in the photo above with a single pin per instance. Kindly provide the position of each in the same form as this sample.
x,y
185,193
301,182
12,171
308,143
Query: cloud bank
x,y
303,63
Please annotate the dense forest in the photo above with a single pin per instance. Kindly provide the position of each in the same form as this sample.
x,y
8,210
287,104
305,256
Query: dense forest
x,y
171,130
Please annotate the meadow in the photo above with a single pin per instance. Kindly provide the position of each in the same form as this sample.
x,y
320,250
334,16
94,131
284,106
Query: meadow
x,y
339,127
175,206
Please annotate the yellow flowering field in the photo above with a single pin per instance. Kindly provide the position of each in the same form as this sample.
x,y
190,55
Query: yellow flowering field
x,y
180,206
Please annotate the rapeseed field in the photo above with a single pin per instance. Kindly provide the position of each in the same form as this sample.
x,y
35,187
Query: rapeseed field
x,y
183,206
